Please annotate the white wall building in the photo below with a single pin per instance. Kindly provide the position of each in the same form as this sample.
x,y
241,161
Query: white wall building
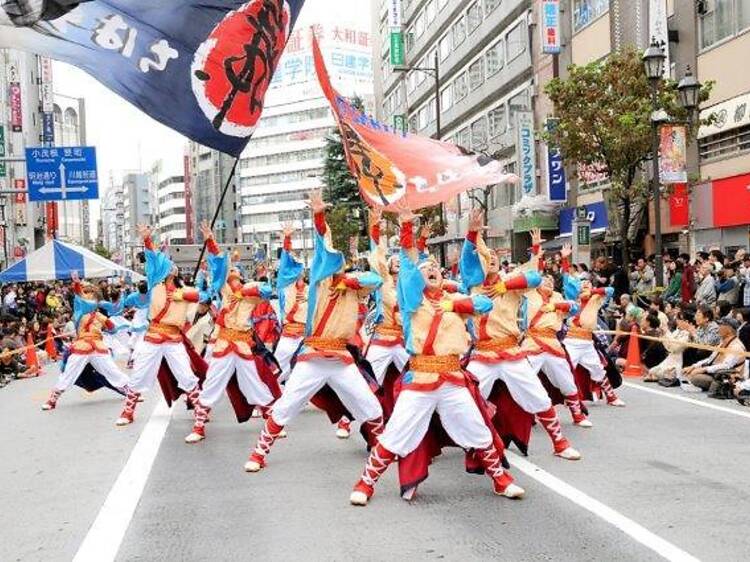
x,y
171,204
284,159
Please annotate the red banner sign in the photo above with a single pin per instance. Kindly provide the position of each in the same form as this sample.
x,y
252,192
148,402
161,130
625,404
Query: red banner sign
x,y
391,166
679,206
16,115
50,209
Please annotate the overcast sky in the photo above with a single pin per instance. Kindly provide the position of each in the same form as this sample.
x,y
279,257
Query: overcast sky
x,y
126,138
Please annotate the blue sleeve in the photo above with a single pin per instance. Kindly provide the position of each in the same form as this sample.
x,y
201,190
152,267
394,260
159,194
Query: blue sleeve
x,y
571,287
325,263
482,304
158,267
370,279
409,292
131,300
470,266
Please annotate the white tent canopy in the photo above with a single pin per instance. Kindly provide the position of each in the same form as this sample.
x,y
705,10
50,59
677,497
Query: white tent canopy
x,y
56,260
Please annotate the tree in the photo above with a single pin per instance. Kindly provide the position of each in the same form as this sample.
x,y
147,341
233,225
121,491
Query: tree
x,y
347,218
102,251
604,121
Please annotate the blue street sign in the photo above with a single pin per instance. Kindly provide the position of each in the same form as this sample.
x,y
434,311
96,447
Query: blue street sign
x,y
62,174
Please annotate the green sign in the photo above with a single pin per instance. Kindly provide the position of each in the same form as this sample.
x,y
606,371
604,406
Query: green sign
x,y
584,235
529,223
397,48
399,123
2,151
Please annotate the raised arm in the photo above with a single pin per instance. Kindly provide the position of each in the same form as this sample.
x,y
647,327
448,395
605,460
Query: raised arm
x,y
208,236
378,248
473,271
144,231
76,282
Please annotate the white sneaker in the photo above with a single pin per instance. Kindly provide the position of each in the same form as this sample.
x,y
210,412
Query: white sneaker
x,y
618,402
689,387
569,454
282,434
256,413
253,466
584,423
120,422
513,492
194,438
358,498
46,407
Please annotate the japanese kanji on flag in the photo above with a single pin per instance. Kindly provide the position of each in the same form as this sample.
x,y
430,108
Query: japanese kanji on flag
x,y
201,67
392,166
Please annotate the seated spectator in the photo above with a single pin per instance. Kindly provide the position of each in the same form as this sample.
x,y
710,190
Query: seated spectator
x,y
728,286
721,367
667,372
672,293
10,367
706,292
652,352
657,307
705,332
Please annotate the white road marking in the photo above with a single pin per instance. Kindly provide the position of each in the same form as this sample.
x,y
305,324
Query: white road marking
x,y
688,400
637,532
103,540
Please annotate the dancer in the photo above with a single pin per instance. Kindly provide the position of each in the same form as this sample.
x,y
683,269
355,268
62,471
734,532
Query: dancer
x,y
333,301
164,339
138,301
233,349
118,339
436,337
88,347
498,356
579,340
292,291
386,352
546,311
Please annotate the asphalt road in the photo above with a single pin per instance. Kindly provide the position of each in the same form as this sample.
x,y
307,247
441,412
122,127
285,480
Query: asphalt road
x,y
660,478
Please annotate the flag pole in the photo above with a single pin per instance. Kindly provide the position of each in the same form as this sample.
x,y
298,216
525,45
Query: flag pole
x,y
216,215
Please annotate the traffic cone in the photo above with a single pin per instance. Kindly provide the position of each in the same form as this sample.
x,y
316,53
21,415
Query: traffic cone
x,y
49,344
633,366
32,361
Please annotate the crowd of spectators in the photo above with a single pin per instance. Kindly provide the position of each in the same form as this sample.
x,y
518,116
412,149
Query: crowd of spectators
x,y
28,309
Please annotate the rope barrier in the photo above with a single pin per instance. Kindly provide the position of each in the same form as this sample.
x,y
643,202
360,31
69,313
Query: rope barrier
x,y
25,348
704,347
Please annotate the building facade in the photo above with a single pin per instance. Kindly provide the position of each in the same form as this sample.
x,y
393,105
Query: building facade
x,y
168,180
73,217
23,222
139,204
209,171
477,56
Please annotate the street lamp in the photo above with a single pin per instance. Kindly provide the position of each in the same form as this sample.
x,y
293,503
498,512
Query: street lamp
x,y
689,89
653,63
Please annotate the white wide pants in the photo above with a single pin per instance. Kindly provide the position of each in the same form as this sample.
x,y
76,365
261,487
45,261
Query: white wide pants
x,y
458,413
285,350
521,379
147,359
557,370
135,339
220,371
583,353
102,362
309,376
381,356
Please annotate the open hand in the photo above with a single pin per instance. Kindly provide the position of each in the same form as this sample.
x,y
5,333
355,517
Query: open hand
x,y
316,201
206,230
566,251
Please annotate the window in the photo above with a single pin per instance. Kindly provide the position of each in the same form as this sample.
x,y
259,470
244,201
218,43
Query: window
x,y
424,117
430,12
409,39
516,40
413,124
723,19
725,143
494,58
431,110
445,47
520,101
490,5
460,87
463,138
411,82
586,11
476,74
479,133
419,25
474,16
446,99
497,121
459,31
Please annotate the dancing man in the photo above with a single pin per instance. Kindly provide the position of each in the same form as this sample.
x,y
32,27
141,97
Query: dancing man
x,y
164,339
88,348
232,352
333,303
434,327
579,340
497,356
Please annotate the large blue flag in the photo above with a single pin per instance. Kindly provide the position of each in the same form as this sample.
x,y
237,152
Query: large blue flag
x,y
201,67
